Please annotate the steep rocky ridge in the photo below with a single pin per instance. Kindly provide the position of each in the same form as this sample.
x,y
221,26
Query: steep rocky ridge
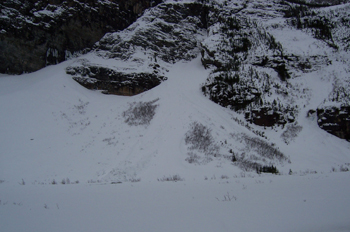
x,y
164,35
37,33
260,53
335,120
257,70
265,57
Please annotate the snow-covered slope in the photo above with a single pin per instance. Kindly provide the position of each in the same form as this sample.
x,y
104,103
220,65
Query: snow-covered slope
x,y
52,128
64,150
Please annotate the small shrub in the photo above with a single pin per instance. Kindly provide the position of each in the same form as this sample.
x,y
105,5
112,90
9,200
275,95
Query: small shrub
x,y
228,197
258,155
192,158
291,132
21,183
53,182
267,169
343,168
264,149
65,181
174,178
135,180
93,181
140,113
81,107
199,138
233,159
247,165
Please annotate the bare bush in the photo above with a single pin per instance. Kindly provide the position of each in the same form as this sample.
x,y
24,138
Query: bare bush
x,y
193,158
199,138
140,113
81,107
227,197
291,133
65,181
247,165
258,155
264,149
174,178
134,180
94,181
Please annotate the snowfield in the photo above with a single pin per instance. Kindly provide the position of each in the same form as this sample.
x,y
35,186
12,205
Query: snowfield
x,y
310,203
70,162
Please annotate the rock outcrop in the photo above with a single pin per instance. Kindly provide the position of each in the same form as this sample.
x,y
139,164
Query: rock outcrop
x,y
37,33
113,82
263,54
165,34
335,120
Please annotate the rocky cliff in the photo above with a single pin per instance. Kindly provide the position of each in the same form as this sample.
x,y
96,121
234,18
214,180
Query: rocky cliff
x,y
136,58
37,33
271,61
261,54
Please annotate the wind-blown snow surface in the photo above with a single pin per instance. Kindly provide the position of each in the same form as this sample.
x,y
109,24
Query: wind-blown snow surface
x,y
53,131
314,203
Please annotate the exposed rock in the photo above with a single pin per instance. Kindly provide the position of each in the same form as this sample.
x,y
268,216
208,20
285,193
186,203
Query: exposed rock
x,y
169,32
113,82
267,116
246,50
335,120
34,34
165,34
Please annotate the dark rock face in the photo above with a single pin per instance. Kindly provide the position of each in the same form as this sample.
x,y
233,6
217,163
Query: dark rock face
x,y
166,33
113,82
267,116
34,34
335,121
170,33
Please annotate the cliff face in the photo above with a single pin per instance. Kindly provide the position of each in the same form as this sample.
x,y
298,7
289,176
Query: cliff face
x,y
34,34
134,60
335,120
268,58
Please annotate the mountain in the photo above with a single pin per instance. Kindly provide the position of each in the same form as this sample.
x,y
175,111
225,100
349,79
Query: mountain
x,y
244,105
277,71
37,33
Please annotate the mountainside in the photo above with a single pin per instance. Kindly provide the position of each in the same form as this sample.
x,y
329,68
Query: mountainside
x,y
244,104
37,33
279,71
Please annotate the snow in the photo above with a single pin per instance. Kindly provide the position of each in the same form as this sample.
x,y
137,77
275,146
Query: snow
x,y
49,13
270,203
53,131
